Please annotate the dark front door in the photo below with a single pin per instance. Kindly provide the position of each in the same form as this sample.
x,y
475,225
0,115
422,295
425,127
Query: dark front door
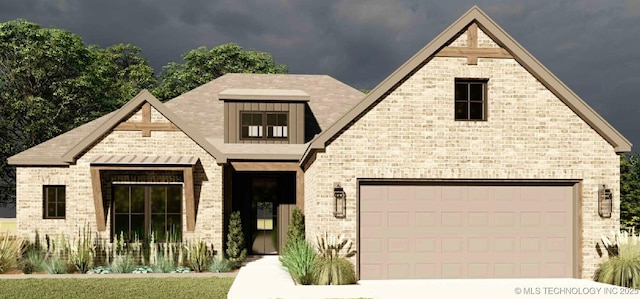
x,y
258,196
264,200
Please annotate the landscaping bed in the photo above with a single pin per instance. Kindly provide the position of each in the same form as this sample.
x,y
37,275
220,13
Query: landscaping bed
x,y
84,254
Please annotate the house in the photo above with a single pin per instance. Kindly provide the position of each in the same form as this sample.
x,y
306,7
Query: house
x,y
471,160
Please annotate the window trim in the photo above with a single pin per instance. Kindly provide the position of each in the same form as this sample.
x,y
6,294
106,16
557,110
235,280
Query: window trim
x,y
468,82
46,201
264,126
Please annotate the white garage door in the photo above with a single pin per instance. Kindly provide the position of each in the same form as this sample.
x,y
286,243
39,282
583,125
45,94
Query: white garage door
x,y
466,231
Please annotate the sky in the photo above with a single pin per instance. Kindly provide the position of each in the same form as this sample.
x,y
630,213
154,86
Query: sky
x,y
591,45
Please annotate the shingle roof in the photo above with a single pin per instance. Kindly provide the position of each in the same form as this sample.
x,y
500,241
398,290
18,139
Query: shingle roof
x,y
329,99
202,112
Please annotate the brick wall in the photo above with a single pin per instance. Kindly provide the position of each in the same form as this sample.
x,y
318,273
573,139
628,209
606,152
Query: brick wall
x,y
80,208
529,134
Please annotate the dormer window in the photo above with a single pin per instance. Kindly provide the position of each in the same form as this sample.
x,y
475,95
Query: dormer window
x,y
271,116
264,125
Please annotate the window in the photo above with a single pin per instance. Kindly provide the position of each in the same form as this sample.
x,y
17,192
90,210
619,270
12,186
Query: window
x,y
54,199
139,210
470,99
264,125
252,125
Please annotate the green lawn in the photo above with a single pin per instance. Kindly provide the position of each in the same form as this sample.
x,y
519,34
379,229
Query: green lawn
x,y
7,224
188,287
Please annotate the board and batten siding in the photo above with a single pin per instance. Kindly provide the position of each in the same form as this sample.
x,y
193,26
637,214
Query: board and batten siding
x,y
232,111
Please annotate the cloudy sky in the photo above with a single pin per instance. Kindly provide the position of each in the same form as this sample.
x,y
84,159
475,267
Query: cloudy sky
x,y
591,45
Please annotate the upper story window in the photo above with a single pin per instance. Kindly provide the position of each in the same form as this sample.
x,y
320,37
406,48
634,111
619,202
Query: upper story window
x,y
471,100
264,125
54,202
268,116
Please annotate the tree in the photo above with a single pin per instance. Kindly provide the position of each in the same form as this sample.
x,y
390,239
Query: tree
x,y
630,191
296,229
203,65
50,82
127,71
236,253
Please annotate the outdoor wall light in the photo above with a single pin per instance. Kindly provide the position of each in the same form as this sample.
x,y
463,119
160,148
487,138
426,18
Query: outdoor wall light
x,y
605,201
339,201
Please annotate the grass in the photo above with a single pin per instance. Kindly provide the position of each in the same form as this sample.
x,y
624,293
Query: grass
x,y
187,287
8,225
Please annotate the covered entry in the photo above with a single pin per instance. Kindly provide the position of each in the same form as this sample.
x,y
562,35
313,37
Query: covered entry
x,y
467,230
265,194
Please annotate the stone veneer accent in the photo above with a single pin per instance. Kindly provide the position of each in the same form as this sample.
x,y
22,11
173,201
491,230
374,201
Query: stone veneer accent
x,y
80,208
529,134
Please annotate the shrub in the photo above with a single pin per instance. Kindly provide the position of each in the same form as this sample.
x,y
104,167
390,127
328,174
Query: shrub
x,y
298,259
181,270
220,265
623,266
296,228
123,263
82,251
163,265
70,268
54,265
99,270
142,270
10,251
334,271
332,265
236,253
198,255
332,246
27,266
34,261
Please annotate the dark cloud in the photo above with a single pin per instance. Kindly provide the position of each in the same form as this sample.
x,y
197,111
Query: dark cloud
x,y
591,45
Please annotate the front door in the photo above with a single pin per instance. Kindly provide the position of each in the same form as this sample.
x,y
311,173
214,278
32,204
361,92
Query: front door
x,y
264,199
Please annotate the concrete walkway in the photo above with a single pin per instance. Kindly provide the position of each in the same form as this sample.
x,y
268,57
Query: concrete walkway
x,y
265,278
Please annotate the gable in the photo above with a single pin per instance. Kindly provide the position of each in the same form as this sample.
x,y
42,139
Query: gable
x,y
143,113
486,40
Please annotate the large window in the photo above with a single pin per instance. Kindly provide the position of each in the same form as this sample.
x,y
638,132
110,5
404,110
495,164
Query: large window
x,y
139,210
264,125
470,100
54,202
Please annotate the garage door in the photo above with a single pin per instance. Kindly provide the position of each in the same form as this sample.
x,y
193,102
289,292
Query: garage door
x,y
466,231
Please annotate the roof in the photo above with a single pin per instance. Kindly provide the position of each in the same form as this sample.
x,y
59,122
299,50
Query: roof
x,y
200,114
262,94
200,106
491,28
143,160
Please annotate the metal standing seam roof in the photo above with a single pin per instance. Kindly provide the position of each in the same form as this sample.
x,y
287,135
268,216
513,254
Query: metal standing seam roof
x,y
143,160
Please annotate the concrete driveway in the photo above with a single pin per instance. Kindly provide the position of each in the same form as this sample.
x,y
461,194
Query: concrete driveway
x,y
265,278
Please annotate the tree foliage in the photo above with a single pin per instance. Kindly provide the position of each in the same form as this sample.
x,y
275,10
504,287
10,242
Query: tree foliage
x,y
630,191
203,65
128,71
50,82
236,252
296,229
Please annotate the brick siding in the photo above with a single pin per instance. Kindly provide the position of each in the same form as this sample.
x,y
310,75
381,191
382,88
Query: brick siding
x,y
80,209
529,134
